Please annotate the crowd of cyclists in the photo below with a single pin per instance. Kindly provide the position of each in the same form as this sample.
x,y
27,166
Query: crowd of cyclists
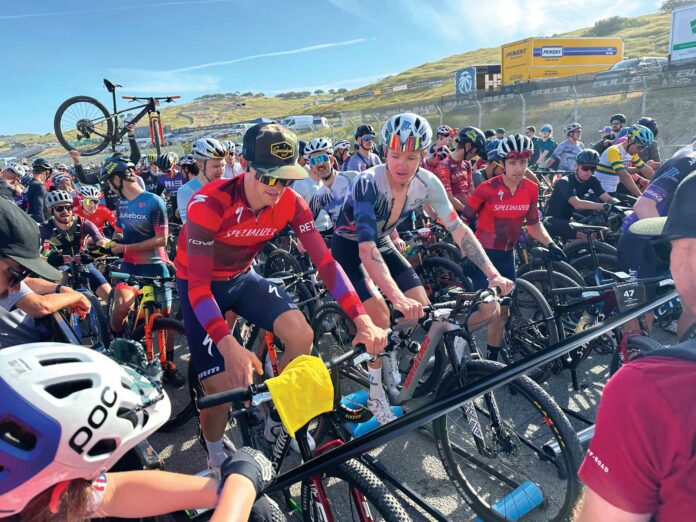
x,y
204,220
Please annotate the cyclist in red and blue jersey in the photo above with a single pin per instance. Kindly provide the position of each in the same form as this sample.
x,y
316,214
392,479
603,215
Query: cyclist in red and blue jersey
x,y
143,218
503,204
228,222
381,198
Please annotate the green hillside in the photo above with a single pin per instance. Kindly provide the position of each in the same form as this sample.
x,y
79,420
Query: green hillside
x,y
643,36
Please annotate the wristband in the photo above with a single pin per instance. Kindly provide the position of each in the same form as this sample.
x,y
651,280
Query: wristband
x,y
56,290
490,278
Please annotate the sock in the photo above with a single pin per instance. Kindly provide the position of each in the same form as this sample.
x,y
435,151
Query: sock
x,y
493,352
376,390
216,452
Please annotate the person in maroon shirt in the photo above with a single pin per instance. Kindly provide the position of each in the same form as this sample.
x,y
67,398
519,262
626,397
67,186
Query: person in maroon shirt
x,y
455,170
641,464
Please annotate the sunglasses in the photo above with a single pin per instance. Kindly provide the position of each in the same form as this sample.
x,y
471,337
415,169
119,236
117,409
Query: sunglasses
x,y
587,168
62,208
616,123
368,137
90,201
322,158
272,181
515,154
17,276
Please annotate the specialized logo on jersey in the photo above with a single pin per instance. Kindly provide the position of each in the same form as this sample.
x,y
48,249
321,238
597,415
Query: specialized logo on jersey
x,y
282,150
209,343
199,198
273,290
501,194
239,211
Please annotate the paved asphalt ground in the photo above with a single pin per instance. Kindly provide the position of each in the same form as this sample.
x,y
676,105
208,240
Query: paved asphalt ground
x,y
413,458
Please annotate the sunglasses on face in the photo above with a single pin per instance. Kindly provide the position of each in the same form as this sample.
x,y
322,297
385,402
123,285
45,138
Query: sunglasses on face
x,y
322,158
368,137
16,276
90,201
588,168
272,181
62,208
616,123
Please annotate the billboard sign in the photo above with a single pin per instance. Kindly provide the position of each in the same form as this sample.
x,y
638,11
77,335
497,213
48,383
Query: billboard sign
x,y
465,82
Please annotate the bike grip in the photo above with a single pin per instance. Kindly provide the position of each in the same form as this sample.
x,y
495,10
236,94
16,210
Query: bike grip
x,y
120,275
359,348
237,394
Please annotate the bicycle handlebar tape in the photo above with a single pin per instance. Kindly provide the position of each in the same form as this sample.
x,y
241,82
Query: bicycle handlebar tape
x,y
238,394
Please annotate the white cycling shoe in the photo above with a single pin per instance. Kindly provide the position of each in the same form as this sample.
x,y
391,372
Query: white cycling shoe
x,y
272,430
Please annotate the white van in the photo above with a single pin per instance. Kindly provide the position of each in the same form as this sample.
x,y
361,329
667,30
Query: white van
x,y
299,123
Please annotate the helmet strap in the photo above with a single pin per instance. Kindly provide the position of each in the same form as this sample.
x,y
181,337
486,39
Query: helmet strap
x,y
205,171
58,490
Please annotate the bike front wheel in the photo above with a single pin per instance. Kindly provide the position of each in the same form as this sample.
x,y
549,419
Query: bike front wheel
x,y
83,124
352,492
172,333
514,440
91,329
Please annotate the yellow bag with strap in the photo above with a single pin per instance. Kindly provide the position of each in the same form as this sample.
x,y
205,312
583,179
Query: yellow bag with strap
x,y
303,391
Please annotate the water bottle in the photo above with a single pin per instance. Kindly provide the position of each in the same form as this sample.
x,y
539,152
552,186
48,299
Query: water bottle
x,y
459,346
519,501
407,356
361,428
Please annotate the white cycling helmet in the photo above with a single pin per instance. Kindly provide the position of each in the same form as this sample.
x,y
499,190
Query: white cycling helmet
x,y
208,148
230,146
515,146
68,413
406,132
443,129
58,197
318,145
16,168
62,167
342,145
89,191
572,127
61,177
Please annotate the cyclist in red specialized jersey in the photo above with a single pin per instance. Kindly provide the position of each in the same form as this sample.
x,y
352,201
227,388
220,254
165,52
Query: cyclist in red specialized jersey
x,y
89,208
503,204
455,170
228,222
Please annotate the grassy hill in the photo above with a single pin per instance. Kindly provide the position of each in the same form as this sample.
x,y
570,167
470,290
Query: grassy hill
x,y
643,36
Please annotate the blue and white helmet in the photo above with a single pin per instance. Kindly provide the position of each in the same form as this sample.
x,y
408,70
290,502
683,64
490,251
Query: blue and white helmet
x,y
407,132
89,191
68,413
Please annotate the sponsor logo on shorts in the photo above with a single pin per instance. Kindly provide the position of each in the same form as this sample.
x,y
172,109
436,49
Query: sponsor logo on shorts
x,y
208,373
200,243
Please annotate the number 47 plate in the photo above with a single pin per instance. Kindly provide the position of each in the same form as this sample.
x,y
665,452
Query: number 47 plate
x,y
629,295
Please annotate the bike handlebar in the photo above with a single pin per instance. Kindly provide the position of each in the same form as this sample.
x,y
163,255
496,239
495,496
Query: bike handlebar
x,y
167,99
248,393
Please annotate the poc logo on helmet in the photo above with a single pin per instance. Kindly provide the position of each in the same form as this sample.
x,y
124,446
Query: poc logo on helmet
x,y
95,420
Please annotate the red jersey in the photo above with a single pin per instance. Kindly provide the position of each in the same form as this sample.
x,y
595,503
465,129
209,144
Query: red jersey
x,y
222,235
456,177
501,214
100,217
641,458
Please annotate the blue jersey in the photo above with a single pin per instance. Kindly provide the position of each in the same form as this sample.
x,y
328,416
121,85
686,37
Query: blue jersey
x,y
173,184
142,218
367,207
330,199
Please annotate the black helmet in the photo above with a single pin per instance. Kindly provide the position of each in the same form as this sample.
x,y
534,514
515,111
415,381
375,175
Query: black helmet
x,y
40,165
116,166
489,133
649,123
618,117
166,160
364,129
587,157
471,135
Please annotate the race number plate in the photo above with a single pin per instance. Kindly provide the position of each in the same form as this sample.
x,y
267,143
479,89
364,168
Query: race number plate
x,y
629,295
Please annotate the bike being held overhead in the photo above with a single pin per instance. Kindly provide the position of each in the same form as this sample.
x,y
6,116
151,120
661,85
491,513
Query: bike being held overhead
x,y
82,123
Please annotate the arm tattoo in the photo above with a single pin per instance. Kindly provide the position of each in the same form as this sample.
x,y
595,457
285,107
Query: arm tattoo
x,y
472,249
376,256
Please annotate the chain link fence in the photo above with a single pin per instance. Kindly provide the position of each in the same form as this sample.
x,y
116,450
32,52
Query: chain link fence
x,y
668,97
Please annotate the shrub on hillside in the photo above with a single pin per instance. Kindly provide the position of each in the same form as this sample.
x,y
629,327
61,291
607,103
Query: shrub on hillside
x,y
607,26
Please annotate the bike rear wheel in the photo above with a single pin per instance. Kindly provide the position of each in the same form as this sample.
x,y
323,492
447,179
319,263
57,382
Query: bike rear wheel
x,y
82,123
180,397
518,423
341,483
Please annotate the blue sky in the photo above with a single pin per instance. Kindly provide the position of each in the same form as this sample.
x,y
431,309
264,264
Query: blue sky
x,y
53,50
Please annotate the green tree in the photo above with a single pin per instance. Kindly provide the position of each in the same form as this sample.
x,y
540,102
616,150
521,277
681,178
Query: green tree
x,y
318,92
669,5
607,26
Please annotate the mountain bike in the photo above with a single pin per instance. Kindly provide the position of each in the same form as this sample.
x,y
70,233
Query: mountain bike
x,y
349,489
163,338
82,123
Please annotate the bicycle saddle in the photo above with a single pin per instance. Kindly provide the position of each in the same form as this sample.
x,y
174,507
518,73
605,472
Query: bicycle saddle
x,y
587,229
541,253
111,87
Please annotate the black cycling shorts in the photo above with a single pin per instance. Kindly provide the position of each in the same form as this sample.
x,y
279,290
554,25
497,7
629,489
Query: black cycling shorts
x,y
250,296
559,227
346,253
503,261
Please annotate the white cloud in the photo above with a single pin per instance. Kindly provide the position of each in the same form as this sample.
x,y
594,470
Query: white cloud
x,y
162,83
300,50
